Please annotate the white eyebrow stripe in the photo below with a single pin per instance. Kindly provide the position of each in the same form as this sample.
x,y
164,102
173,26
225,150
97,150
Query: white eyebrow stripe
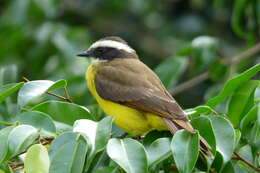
x,y
113,44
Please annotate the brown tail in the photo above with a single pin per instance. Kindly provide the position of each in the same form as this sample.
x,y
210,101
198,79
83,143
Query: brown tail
x,y
175,125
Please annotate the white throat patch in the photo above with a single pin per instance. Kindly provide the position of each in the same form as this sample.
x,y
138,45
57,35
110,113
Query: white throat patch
x,y
113,44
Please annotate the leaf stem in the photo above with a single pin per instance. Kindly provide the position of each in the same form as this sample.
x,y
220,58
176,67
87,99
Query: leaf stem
x,y
236,156
67,95
67,98
15,165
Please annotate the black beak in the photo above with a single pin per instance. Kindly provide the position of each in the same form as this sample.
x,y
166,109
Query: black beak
x,y
85,54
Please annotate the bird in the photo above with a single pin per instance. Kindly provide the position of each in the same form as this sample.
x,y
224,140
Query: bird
x,y
127,89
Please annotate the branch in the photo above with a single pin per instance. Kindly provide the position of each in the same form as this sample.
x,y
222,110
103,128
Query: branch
x,y
42,140
16,165
204,76
236,156
67,98
20,165
190,83
244,55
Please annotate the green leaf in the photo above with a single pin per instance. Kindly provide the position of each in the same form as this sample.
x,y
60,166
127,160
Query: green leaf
x,y
239,102
158,151
249,118
37,119
6,123
4,133
20,138
103,133
204,51
109,169
217,70
246,153
97,133
232,85
185,149
237,137
228,168
195,112
67,153
170,70
64,112
37,159
33,89
204,126
237,20
8,89
254,132
63,138
225,137
5,168
129,154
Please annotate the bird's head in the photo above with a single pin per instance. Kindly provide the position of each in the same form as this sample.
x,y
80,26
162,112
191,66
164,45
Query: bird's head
x,y
109,48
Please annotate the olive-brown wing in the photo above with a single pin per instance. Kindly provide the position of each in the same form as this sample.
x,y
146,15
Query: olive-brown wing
x,y
125,86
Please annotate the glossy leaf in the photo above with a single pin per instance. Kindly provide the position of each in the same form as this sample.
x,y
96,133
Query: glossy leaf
x,y
4,133
158,151
33,89
239,102
246,153
254,134
97,133
225,137
64,112
37,119
121,151
232,85
20,138
67,153
194,112
185,149
249,118
5,168
37,159
204,126
103,133
170,70
8,89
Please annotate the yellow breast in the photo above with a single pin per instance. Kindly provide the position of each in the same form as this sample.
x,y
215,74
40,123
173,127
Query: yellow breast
x,y
131,120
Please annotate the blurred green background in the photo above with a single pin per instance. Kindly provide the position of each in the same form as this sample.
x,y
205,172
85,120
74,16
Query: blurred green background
x,y
179,39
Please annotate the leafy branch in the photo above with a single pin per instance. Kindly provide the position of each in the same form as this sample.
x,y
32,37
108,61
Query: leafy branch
x,y
236,156
204,76
66,98
20,165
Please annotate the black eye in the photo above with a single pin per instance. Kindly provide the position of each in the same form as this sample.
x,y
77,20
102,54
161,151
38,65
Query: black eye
x,y
100,50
